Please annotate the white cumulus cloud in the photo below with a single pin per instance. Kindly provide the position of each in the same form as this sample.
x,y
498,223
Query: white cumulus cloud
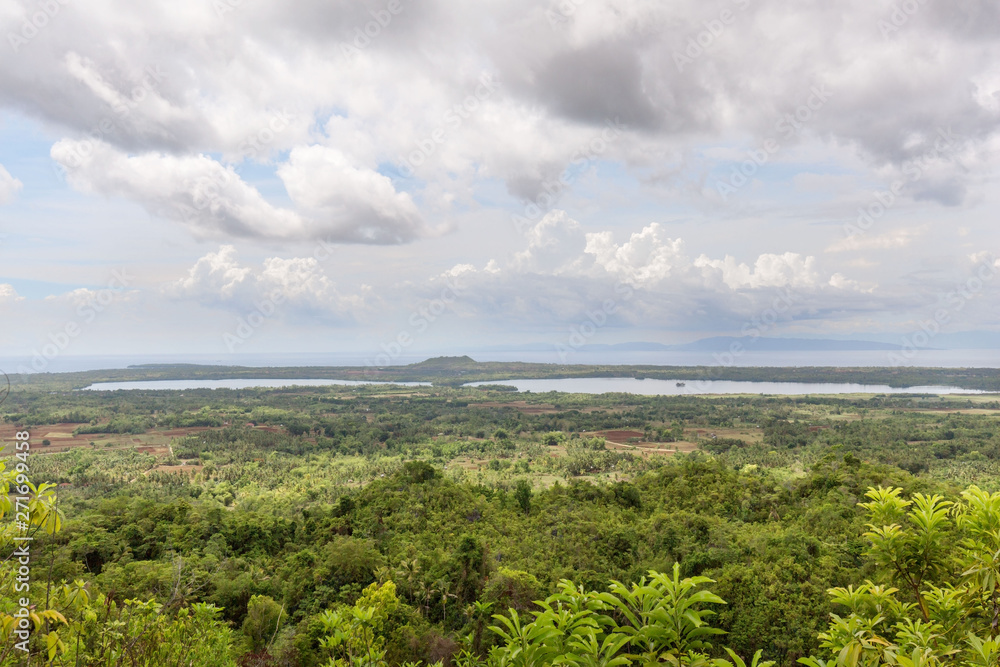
x,y
8,294
350,202
196,190
339,202
219,280
9,186
789,269
647,257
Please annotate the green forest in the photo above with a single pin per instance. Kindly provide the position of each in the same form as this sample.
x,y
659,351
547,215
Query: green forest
x,y
445,525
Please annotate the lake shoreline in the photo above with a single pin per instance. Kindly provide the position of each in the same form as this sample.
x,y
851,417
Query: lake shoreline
x,y
578,385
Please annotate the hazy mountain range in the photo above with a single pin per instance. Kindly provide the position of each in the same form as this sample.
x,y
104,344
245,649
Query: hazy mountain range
x,y
721,343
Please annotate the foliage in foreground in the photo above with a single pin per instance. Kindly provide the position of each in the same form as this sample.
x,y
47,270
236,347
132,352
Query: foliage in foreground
x,y
937,603
70,628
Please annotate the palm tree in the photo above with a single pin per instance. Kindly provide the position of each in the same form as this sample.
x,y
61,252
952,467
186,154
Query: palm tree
x,y
426,591
407,574
444,587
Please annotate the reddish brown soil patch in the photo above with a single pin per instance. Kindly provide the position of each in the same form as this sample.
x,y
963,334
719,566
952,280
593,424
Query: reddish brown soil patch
x,y
61,439
60,436
619,440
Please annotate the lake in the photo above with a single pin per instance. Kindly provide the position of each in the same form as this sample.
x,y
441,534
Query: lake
x,y
236,384
650,387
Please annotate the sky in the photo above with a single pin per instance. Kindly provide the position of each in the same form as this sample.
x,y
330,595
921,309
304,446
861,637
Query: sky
x,y
401,177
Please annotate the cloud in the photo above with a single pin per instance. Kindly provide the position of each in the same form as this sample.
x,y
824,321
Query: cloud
x,y
253,128
897,238
652,260
841,282
789,269
216,278
219,280
558,246
353,203
343,203
84,296
646,258
9,186
8,294
554,245
196,190
594,83
565,272
183,80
